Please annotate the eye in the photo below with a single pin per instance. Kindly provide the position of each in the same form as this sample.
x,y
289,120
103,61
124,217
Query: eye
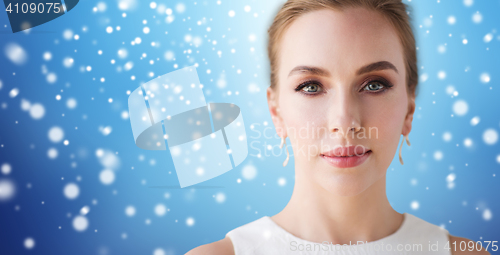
x,y
374,86
309,87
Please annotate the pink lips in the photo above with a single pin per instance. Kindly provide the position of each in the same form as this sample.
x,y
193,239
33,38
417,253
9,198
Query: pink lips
x,y
345,157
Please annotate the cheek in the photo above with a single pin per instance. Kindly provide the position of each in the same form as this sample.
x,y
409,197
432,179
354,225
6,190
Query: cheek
x,y
303,115
386,114
386,118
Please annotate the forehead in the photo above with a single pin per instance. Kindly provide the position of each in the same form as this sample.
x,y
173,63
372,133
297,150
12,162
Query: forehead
x,y
339,41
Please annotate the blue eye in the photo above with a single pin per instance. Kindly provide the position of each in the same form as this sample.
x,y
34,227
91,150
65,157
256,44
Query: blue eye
x,y
309,87
374,86
313,87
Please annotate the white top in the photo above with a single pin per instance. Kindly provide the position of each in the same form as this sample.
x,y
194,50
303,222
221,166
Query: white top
x,y
264,236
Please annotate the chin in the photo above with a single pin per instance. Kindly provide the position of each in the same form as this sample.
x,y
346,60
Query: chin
x,y
345,182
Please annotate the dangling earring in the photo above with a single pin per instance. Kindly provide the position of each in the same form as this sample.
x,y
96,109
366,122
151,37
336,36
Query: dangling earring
x,y
407,142
283,142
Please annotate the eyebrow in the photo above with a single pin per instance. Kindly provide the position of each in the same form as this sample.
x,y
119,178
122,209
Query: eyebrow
x,y
377,66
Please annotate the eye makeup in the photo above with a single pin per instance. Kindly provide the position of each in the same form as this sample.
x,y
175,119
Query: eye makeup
x,y
310,84
378,80
313,87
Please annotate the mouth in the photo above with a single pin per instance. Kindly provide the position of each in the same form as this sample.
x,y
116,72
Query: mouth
x,y
346,157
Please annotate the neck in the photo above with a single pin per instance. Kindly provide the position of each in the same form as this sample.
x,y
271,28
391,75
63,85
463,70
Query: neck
x,y
317,215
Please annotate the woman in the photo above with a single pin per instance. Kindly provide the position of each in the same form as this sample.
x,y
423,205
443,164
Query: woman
x,y
346,70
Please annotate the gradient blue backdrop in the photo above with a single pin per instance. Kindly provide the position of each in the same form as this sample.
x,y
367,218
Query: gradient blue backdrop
x,y
234,50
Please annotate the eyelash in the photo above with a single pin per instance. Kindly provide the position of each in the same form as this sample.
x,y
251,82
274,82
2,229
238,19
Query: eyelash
x,y
386,86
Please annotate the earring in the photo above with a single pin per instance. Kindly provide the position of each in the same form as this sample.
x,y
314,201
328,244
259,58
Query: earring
x,y
283,142
407,142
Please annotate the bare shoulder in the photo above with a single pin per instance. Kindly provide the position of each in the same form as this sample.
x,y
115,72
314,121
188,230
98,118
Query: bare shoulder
x,y
466,250
221,247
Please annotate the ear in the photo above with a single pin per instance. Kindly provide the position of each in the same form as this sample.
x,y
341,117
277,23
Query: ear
x,y
274,109
409,115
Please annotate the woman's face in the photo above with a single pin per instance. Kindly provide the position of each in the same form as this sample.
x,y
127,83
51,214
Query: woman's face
x,y
329,83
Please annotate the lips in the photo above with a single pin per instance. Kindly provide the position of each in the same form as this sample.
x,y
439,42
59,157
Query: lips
x,y
350,151
346,157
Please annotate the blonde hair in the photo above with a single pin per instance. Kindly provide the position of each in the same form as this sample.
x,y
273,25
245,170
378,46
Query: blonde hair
x,y
394,10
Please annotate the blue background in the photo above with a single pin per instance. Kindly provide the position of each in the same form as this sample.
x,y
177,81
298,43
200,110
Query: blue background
x,y
144,179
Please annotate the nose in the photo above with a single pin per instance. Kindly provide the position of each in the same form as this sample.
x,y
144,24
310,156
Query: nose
x,y
344,113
